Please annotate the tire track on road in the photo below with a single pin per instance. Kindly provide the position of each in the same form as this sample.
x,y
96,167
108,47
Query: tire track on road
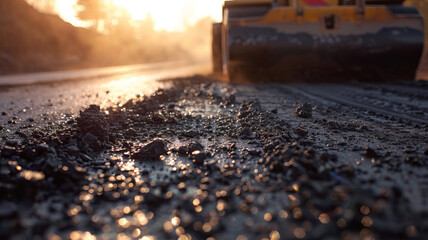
x,y
335,94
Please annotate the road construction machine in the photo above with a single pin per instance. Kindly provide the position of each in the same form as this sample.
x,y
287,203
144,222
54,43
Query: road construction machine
x,y
318,40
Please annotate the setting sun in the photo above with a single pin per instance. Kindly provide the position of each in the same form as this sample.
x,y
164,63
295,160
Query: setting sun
x,y
172,15
169,15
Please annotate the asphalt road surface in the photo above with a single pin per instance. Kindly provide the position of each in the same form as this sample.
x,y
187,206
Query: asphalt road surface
x,y
136,156
49,77
54,98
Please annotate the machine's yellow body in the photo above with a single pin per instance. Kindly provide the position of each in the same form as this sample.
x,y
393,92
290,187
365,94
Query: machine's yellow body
x,y
293,40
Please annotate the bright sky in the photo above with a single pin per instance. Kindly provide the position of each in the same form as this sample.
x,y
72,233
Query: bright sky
x,y
170,15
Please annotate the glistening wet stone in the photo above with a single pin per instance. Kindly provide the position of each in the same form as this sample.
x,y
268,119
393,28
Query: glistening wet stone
x,y
152,150
304,111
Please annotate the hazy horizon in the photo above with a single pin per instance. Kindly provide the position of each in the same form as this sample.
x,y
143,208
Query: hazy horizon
x,y
171,19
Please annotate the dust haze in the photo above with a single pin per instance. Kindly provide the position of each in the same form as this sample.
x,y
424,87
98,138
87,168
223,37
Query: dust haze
x,y
34,38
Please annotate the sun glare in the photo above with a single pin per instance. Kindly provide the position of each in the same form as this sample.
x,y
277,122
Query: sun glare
x,y
66,10
172,15
169,15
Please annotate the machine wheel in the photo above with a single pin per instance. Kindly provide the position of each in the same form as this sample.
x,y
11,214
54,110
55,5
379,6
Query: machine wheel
x,y
216,48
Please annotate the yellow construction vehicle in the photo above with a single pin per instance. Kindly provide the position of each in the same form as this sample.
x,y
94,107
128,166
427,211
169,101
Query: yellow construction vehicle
x,y
318,40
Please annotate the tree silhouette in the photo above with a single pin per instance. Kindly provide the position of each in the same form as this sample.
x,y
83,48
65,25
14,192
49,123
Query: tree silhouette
x,y
93,11
46,6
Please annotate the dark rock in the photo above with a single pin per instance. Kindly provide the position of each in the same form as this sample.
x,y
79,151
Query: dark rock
x,y
334,125
154,198
42,147
228,147
157,118
127,144
409,150
37,134
93,121
245,133
11,143
271,146
328,157
362,128
50,160
8,151
414,160
276,166
301,132
152,151
32,151
85,157
10,221
130,133
304,111
182,150
310,153
4,113
189,149
91,141
199,157
67,177
171,106
370,153
7,210
190,134
72,148
253,152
